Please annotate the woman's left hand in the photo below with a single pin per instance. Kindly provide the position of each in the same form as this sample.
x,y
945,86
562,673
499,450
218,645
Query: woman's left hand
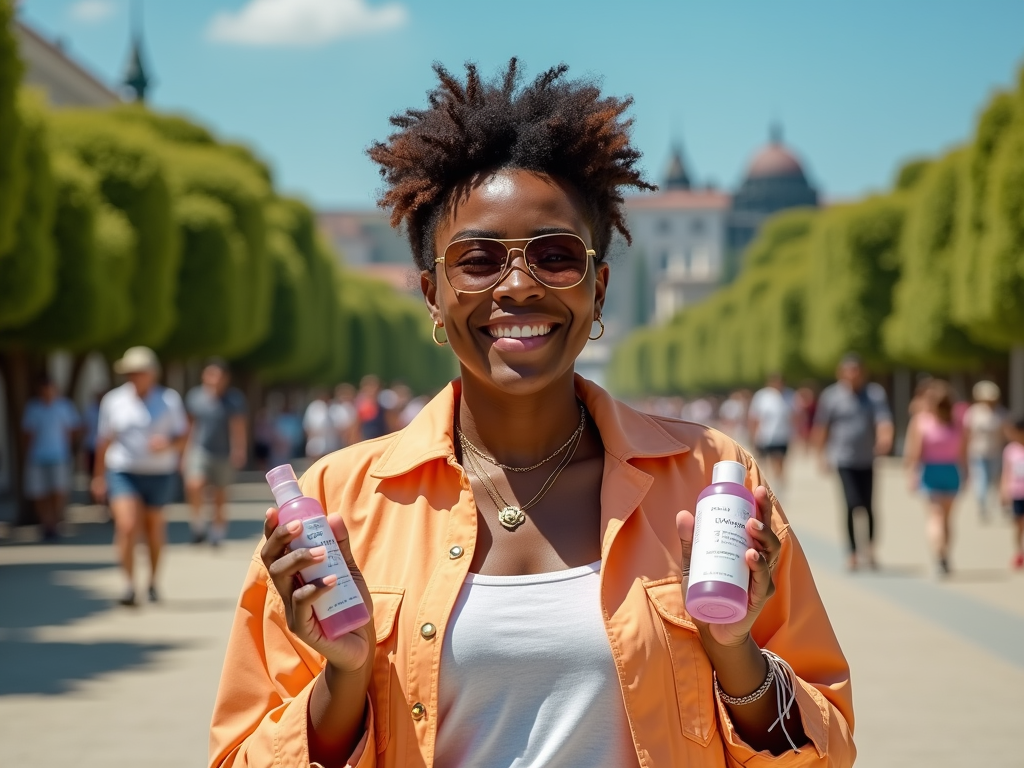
x,y
761,559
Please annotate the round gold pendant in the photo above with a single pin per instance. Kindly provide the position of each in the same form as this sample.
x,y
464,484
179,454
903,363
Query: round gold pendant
x,y
511,517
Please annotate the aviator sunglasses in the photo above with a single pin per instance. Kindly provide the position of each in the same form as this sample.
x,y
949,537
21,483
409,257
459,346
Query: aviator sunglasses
x,y
477,264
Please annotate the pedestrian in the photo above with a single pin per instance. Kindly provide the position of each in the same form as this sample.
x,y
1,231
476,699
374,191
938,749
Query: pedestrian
x,y
372,415
983,425
771,418
853,425
142,430
732,416
521,541
49,426
934,456
321,436
217,446
805,401
344,417
1012,485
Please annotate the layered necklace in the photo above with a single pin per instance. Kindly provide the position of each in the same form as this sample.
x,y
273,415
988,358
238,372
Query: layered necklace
x,y
509,515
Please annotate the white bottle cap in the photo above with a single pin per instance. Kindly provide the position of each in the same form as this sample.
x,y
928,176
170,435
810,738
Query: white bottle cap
x,y
283,484
729,472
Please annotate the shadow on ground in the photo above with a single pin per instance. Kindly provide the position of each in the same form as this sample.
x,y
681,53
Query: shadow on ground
x,y
40,595
28,667
178,532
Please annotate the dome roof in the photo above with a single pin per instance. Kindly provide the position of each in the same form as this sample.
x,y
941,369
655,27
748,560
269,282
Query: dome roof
x,y
774,160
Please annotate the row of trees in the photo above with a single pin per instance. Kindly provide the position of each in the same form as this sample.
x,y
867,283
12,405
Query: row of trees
x,y
929,275
124,226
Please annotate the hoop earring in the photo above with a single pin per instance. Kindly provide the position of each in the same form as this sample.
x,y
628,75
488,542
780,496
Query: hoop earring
x,y
433,335
599,335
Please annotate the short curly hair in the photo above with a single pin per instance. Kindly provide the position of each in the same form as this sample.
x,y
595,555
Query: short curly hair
x,y
560,127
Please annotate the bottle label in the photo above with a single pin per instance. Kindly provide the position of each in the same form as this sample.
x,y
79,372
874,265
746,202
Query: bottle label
x,y
720,540
316,532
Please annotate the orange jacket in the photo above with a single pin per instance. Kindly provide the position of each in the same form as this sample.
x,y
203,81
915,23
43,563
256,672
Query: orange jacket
x,y
412,522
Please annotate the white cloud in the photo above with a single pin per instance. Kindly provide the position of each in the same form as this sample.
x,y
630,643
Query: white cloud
x,y
91,11
303,22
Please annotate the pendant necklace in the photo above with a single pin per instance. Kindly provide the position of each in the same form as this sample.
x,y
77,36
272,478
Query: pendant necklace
x,y
509,515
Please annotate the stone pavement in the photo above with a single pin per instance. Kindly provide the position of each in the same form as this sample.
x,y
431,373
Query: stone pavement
x,y
938,664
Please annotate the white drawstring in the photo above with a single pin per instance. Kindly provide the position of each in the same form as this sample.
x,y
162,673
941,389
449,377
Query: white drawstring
x,y
785,692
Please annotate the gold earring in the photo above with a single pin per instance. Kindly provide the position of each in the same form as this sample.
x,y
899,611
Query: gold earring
x,y
433,334
595,338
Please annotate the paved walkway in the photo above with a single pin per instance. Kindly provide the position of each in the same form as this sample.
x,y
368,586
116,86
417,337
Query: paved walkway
x,y
938,665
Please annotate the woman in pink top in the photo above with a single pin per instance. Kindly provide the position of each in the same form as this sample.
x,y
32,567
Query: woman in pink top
x,y
934,456
1012,487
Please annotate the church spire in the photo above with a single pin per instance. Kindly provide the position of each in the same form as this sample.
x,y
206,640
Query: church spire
x,y
676,176
136,78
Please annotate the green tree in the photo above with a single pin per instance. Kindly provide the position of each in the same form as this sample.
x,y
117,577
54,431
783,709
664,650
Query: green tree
x,y
95,251
921,332
132,178
28,267
855,264
12,176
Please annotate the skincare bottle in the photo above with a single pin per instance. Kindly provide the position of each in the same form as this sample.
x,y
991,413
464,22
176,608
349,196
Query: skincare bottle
x,y
341,609
719,575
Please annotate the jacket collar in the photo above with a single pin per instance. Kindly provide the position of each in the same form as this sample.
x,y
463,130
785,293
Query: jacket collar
x,y
626,433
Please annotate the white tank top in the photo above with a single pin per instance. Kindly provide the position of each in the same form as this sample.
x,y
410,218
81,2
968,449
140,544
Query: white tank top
x,y
527,677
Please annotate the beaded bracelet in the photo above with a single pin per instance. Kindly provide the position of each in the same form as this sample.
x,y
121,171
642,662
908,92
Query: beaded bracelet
x,y
750,698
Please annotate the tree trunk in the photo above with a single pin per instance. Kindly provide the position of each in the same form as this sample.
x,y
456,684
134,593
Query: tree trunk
x,y
17,368
1016,394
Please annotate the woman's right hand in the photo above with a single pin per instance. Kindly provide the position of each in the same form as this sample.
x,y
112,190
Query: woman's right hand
x,y
98,487
351,655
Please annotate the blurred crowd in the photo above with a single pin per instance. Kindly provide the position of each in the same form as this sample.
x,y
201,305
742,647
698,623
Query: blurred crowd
x,y
950,444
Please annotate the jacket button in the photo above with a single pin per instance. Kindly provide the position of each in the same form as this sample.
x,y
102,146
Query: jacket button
x,y
418,711
428,630
455,552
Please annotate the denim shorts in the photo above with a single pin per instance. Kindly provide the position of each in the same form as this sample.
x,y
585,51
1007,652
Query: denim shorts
x,y
940,479
154,490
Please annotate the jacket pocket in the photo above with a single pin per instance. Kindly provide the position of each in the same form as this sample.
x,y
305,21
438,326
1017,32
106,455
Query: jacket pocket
x,y
386,602
690,666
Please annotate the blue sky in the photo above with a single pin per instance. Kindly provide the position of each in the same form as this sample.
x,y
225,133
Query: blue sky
x,y
859,85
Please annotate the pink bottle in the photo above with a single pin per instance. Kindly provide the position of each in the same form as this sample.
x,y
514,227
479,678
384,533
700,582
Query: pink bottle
x,y
341,609
719,575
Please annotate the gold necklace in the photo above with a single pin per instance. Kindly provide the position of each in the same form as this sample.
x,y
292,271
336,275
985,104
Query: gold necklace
x,y
509,515
491,460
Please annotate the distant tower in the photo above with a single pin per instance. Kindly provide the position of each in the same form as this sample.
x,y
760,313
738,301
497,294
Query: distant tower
x,y
136,78
676,176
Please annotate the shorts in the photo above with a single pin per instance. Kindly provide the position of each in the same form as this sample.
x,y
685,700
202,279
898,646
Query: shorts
x,y
203,466
940,479
153,490
774,449
46,479
1017,507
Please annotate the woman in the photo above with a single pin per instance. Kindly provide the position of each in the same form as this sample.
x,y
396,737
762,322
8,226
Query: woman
x,y
983,432
141,433
521,540
934,457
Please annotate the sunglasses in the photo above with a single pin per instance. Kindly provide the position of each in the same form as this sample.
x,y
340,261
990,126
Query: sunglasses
x,y
478,264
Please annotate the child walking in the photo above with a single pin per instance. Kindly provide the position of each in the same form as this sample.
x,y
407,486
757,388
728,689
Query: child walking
x,y
1013,483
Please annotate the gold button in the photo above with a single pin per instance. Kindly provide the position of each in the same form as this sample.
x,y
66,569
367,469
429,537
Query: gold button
x,y
418,711
455,552
428,630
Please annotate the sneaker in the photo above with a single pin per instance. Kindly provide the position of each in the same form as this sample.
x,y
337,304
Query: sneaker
x,y
1018,561
198,535
128,598
153,596
944,568
217,533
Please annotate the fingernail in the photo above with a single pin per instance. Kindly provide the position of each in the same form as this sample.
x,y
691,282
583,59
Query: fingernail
x,y
758,524
270,512
317,553
294,526
330,580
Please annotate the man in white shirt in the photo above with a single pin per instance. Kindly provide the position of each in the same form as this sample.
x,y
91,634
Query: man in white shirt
x,y
770,419
142,430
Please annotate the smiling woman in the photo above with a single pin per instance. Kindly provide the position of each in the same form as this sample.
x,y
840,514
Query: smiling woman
x,y
521,541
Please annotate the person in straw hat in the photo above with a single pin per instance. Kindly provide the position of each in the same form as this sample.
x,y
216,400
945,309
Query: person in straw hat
x,y
142,430
983,423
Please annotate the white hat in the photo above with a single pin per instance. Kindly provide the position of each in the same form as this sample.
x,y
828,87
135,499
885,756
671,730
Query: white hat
x,y
136,360
986,391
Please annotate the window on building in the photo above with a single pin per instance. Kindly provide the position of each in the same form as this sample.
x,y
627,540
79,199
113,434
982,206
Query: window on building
x,y
697,227
664,226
